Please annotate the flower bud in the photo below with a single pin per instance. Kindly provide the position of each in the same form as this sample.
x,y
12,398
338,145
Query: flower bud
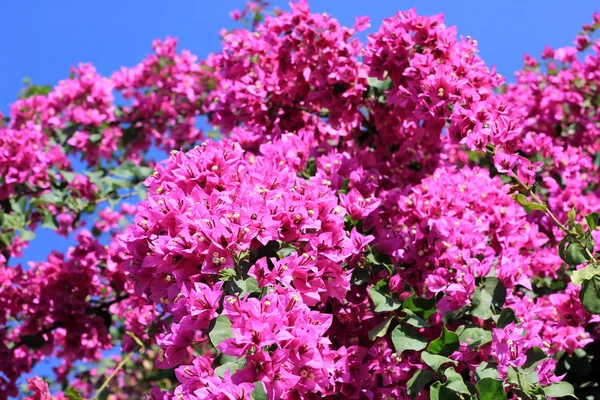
x,y
396,284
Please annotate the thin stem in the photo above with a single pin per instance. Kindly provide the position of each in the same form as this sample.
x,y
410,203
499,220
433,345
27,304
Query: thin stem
x,y
560,225
120,366
534,196
113,374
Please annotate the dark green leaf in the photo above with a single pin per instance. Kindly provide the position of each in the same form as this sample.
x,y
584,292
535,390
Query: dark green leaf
x,y
590,295
593,220
407,341
535,355
489,296
420,307
439,391
562,253
360,276
446,344
418,381
576,254
73,394
507,316
381,329
516,378
414,320
491,389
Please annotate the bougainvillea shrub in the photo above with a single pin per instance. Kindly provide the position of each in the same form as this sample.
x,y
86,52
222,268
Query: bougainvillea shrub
x,y
372,220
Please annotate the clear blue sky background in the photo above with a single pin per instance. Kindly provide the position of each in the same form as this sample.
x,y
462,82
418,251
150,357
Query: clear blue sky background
x,y
42,39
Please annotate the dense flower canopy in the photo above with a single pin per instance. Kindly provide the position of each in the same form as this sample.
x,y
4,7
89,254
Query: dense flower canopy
x,y
379,220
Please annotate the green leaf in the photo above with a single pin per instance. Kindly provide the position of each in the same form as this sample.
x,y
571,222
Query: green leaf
x,y
27,235
114,184
259,392
418,381
14,221
522,200
535,355
67,175
560,389
516,378
435,361
221,330
112,202
439,391
585,273
142,192
6,238
228,366
455,381
576,254
414,320
380,330
380,85
407,340
489,296
446,344
420,307
226,273
486,370
360,276
383,302
248,285
590,295
507,316
73,394
231,364
19,205
95,137
491,389
593,220
562,245
571,216
141,172
125,170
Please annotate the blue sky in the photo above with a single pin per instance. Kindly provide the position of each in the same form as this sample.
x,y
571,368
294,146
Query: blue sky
x,y
41,40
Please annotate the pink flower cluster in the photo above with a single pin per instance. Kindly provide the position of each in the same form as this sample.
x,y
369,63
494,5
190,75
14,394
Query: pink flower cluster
x,y
356,214
399,174
62,308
